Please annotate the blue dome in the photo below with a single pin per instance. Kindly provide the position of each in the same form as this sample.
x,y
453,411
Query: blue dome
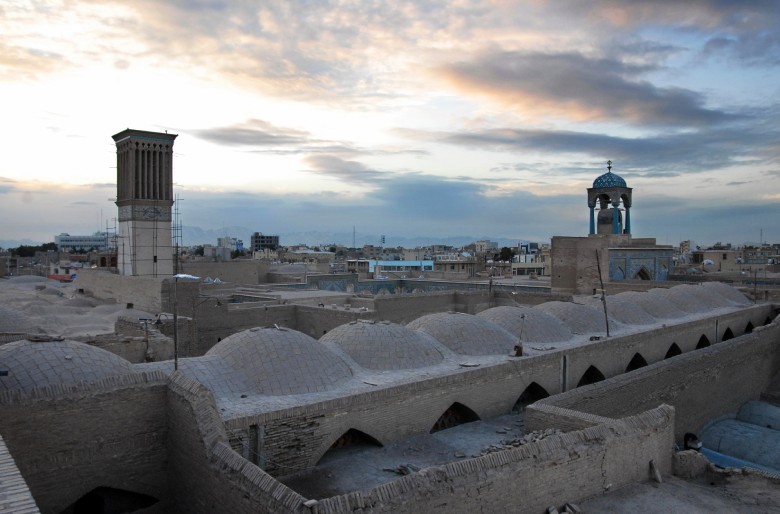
x,y
609,179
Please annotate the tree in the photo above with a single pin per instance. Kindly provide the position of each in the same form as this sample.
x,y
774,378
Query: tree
x,y
506,254
29,251
198,250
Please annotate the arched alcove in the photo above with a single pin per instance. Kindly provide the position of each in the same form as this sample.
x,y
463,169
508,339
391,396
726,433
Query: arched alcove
x,y
350,440
643,274
456,414
90,503
749,328
353,437
591,376
728,334
673,351
637,361
703,342
533,393
108,500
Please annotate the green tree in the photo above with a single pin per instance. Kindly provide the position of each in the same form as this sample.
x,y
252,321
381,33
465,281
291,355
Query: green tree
x,y
506,254
29,250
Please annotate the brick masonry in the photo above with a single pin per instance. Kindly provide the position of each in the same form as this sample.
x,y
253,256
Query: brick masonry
x,y
107,433
14,494
700,385
168,440
398,411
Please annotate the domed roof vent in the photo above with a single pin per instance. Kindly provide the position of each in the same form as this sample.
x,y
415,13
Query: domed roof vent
x,y
609,179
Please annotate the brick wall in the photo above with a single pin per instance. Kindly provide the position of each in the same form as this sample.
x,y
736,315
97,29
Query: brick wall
x,y
565,468
206,474
210,476
296,438
130,341
143,292
700,385
401,410
14,494
612,356
70,440
238,271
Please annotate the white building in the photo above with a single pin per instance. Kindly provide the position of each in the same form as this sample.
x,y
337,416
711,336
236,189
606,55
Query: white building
x,y
96,242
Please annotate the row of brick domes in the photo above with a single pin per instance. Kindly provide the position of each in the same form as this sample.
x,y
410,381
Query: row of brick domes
x,y
273,361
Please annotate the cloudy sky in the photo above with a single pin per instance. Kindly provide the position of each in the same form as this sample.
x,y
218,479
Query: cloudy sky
x,y
419,118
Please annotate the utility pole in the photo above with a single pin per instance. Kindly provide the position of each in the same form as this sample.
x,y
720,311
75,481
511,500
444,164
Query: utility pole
x,y
603,292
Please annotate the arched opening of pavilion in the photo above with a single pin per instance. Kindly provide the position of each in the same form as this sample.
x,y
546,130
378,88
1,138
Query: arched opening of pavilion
x,y
610,195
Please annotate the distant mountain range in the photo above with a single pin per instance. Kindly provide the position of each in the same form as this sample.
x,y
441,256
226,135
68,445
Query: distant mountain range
x,y
196,236
15,243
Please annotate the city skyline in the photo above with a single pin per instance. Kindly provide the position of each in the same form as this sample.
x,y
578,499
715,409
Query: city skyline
x,y
403,118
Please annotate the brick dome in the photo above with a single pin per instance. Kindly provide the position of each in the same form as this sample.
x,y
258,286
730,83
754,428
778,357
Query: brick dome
x,y
384,346
465,334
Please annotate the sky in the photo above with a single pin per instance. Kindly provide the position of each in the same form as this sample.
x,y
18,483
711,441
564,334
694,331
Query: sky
x,y
429,119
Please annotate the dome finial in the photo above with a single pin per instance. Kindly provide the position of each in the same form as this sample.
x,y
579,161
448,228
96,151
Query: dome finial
x,y
609,166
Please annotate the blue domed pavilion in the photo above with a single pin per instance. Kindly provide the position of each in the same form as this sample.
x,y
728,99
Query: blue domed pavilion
x,y
608,192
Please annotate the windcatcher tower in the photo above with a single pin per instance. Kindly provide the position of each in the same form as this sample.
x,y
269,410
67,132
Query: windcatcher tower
x,y
144,197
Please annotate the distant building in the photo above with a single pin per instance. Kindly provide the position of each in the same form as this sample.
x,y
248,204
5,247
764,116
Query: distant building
x,y
455,266
357,266
534,264
98,241
485,246
765,254
260,242
716,260
217,253
230,242
398,268
372,252
416,254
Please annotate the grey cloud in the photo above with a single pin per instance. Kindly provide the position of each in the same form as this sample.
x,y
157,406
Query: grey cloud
x,y
346,171
593,88
415,204
745,32
760,49
254,133
262,137
425,205
669,154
